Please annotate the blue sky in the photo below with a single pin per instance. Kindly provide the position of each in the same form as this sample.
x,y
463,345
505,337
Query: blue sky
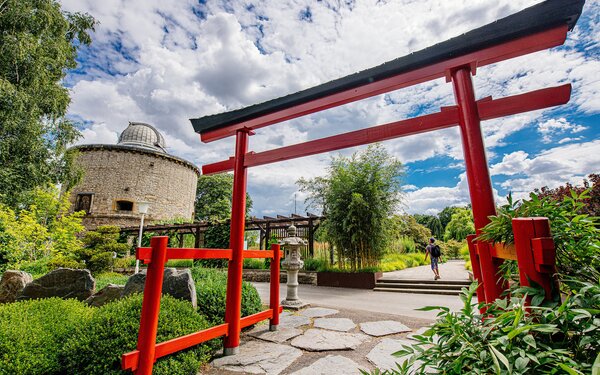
x,y
163,62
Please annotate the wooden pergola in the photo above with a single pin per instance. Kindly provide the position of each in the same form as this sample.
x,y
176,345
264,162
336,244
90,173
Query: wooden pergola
x,y
268,227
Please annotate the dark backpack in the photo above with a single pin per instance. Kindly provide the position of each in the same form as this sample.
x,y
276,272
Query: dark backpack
x,y
435,251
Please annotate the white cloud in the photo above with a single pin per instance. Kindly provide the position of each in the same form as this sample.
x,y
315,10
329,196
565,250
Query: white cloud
x,y
163,62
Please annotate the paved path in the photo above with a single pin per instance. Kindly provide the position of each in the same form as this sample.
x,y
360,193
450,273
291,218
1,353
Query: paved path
x,y
403,304
450,270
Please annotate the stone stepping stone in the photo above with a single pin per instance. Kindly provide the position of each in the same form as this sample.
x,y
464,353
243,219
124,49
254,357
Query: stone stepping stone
x,y
317,340
332,364
383,327
318,312
335,324
293,321
259,357
381,355
280,336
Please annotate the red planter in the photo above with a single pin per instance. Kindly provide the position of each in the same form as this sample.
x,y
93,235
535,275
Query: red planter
x,y
357,280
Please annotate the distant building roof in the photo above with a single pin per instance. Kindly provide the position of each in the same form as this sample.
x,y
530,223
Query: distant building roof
x,y
139,134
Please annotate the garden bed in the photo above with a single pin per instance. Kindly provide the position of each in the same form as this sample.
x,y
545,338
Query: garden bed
x,y
357,280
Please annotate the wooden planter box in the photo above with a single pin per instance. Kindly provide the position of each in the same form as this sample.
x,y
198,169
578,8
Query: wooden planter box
x,y
357,280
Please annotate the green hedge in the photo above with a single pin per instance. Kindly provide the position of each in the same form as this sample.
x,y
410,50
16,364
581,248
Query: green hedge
x,y
113,329
32,334
211,290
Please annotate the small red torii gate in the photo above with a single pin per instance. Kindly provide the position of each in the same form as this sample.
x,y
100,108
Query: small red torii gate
x,y
539,27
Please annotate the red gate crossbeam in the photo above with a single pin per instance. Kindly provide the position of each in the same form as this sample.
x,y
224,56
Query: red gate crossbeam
x,y
518,47
488,109
148,351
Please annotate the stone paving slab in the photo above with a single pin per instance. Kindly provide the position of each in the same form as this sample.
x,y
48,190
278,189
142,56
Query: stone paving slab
x,y
383,327
293,321
280,336
318,312
317,340
335,324
332,364
381,355
259,357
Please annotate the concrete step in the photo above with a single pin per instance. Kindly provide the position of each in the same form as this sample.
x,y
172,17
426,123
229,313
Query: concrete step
x,y
419,291
440,286
427,281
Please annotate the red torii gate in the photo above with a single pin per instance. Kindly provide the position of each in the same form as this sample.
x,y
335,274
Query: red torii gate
x,y
534,29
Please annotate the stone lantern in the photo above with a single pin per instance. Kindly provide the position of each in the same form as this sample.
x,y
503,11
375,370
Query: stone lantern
x,y
292,263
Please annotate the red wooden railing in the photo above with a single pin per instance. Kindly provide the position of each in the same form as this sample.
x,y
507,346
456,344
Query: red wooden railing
x,y
534,252
148,351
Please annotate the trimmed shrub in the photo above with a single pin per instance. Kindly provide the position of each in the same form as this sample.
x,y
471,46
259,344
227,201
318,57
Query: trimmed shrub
x,y
32,334
96,348
211,289
314,264
254,264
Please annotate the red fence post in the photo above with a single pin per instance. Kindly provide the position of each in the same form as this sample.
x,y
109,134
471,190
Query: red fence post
x,y
535,254
274,297
233,305
151,305
478,176
476,268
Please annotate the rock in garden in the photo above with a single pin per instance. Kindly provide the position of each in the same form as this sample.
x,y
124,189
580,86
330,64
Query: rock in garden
x,y
335,324
280,336
293,321
318,312
12,284
383,327
382,354
180,284
259,357
329,365
107,294
63,283
318,340
176,283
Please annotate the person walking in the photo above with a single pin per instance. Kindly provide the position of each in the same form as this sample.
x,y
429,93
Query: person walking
x,y
434,252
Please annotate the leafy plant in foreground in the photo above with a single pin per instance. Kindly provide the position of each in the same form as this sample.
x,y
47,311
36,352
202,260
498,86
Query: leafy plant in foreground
x,y
511,338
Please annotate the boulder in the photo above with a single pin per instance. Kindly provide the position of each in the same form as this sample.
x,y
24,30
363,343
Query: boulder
x,y
176,283
63,283
107,294
12,284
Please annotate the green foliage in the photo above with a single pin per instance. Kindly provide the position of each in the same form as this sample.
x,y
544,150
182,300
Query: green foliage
x,y
106,278
96,347
32,334
451,248
431,222
460,225
405,228
395,261
100,247
510,338
41,230
358,196
576,236
446,215
314,264
211,290
38,44
215,237
213,197
254,264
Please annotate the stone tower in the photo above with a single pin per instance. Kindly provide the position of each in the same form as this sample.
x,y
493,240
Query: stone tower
x,y
138,168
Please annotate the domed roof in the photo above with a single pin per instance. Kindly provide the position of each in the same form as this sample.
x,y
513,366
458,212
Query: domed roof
x,y
139,134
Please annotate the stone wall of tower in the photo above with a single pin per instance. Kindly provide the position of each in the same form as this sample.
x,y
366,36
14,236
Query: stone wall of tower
x,y
120,173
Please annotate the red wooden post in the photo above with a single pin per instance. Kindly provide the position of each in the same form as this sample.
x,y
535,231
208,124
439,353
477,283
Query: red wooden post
x,y
233,304
535,253
476,267
274,297
480,185
151,305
